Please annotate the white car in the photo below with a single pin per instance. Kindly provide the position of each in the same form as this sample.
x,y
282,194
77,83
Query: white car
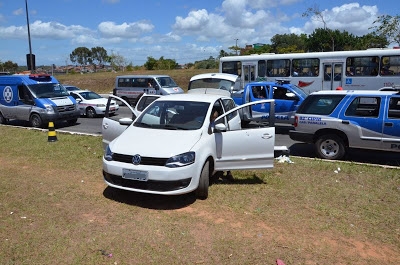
x,y
92,104
171,148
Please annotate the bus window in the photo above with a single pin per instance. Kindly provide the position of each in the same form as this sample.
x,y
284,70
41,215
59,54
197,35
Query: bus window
x,y
305,67
390,65
327,72
362,66
262,69
233,67
278,68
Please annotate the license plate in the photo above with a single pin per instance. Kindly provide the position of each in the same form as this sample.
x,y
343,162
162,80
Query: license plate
x,y
112,109
134,174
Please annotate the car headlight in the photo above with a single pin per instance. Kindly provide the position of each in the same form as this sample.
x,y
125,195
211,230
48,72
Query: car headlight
x,y
49,108
108,155
181,160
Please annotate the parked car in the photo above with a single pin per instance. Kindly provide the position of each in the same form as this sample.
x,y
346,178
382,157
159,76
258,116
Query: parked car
x,y
337,120
70,88
172,148
92,104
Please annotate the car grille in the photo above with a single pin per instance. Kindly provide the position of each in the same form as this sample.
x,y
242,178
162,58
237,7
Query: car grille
x,y
149,161
66,108
151,185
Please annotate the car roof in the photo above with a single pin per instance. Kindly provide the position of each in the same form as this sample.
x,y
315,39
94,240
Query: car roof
x,y
81,91
229,77
353,92
208,96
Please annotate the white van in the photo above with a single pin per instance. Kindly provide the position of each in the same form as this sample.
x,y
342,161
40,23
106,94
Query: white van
x,y
129,87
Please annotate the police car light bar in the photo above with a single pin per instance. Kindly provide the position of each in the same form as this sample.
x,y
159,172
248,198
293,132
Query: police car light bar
x,y
39,77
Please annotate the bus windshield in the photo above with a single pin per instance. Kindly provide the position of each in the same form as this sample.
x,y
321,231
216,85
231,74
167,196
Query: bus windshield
x,y
48,90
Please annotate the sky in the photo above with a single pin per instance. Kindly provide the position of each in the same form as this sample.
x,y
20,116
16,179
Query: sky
x,y
182,30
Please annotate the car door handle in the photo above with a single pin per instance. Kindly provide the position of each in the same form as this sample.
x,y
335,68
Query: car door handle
x,y
267,136
105,125
388,124
345,122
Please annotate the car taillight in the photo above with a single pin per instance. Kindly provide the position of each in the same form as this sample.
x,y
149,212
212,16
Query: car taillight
x,y
296,119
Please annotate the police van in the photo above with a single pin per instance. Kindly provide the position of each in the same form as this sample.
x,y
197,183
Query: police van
x,y
36,98
129,87
337,120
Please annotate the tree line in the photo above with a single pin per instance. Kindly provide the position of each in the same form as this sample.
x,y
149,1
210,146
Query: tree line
x,y
385,31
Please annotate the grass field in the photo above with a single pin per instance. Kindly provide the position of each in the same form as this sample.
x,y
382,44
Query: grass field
x,y
56,209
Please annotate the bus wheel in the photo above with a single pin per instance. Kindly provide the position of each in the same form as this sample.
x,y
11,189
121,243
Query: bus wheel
x,y
204,182
330,146
35,121
90,112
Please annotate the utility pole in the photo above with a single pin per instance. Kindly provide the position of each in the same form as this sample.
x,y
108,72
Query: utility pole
x,y
236,46
31,56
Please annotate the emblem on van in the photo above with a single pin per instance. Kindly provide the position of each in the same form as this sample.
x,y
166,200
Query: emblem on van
x,y
8,94
136,159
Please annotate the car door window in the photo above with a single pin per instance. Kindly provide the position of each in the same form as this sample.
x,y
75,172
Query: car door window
x,y
394,108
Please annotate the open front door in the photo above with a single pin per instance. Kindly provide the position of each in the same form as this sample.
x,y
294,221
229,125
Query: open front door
x,y
250,147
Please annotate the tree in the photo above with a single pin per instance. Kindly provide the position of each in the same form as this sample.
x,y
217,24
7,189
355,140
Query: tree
x,y
118,62
99,55
316,14
370,41
150,63
284,43
389,27
81,55
8,66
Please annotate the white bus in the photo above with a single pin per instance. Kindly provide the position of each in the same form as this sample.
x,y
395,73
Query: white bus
x,y
352,70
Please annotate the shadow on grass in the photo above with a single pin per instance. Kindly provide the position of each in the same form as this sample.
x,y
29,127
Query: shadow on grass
x,y
150,201
247,181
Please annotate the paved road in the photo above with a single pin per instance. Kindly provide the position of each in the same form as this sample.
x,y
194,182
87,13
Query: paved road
x,y
93,126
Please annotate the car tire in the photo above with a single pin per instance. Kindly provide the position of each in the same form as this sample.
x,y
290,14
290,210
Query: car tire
x,y
2,119
204,181
330,146
90,112
35,121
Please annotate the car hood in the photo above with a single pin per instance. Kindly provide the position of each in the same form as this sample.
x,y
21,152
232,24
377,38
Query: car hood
x,y
95,101
155,142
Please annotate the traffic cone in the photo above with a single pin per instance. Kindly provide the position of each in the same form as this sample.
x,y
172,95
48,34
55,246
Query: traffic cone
x,y
52,137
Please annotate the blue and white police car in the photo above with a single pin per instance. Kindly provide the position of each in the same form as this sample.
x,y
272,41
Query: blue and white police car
x,y
337,120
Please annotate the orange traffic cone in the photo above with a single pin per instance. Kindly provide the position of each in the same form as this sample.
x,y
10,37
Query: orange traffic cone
x,y
52,137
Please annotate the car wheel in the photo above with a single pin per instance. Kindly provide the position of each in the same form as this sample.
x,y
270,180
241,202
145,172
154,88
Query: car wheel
x,y
90,112
330,146
2,119
204,181
35,121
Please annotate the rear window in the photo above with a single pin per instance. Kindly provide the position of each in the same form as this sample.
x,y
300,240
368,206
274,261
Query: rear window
x,y
320,104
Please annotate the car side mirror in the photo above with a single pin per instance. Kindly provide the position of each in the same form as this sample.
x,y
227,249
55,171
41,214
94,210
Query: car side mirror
x,y
125,121
220,127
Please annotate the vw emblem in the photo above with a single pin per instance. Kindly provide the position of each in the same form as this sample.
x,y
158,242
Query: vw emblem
x,y
136,159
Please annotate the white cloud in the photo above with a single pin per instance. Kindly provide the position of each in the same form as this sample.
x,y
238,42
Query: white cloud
x,y
18,12
124,30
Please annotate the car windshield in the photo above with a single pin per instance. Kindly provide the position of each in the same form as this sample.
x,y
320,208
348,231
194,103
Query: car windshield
x,y
299,91
89,95
166,81
48,90
212,83
174,115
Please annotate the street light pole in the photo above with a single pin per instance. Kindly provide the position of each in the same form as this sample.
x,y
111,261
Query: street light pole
x,y
236,46
29,37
